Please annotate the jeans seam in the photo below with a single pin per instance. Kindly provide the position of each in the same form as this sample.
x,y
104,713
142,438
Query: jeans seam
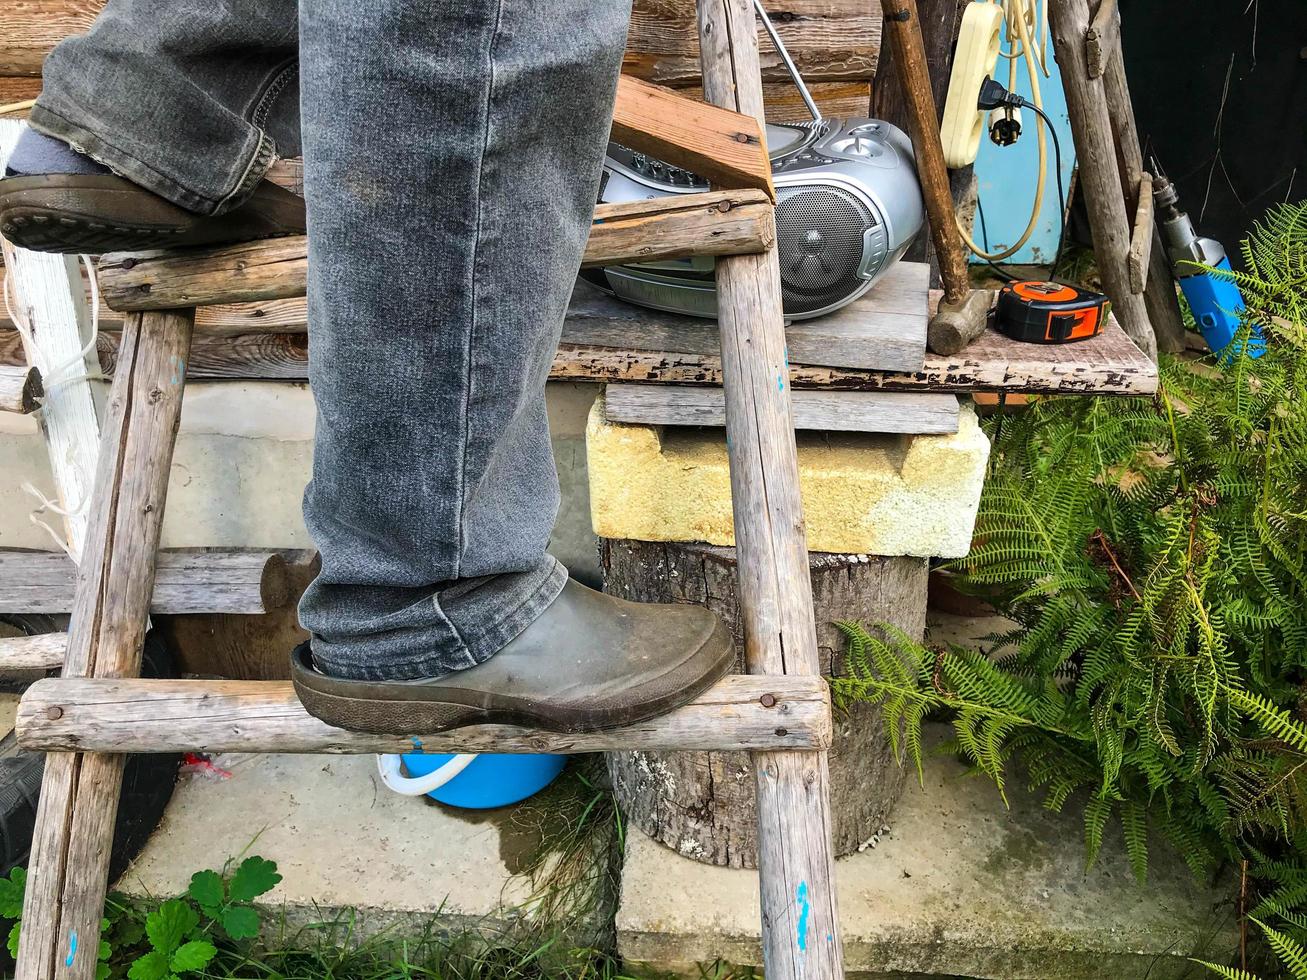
x,y
470,346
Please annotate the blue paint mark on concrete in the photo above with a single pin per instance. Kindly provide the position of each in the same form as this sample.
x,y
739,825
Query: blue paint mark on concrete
x,y
801,897
72,949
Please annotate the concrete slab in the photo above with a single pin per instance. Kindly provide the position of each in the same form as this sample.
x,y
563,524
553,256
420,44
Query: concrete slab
x,y
342,841
959,887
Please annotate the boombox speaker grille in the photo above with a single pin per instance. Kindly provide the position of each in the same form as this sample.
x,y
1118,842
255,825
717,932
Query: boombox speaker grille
x,y
819,232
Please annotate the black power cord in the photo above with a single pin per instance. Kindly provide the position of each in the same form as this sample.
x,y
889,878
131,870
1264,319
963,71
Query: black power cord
x,y
994,96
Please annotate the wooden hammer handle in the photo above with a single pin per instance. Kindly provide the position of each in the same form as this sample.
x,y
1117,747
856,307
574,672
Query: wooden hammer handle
x,y
903,28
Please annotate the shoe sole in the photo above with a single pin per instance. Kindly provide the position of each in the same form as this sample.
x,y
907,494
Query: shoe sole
x,y
381,708
96,213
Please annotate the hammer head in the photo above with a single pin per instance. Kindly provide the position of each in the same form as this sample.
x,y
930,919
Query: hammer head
x,y
958,323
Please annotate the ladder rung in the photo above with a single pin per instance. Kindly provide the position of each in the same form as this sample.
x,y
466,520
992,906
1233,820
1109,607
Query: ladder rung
x,y
44,651
20,389
131,715
732,222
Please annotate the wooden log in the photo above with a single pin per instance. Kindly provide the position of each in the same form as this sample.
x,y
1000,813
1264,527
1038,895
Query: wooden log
x,y
723,147
800,924
714,223
912,413
1100,179
68,869
1159,291
236,580
700,804
49,301
95,715
1103,36
45,651
20,389
1141,235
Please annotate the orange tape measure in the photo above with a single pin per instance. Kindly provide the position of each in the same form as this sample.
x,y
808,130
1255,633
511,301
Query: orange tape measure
x,y
1049,312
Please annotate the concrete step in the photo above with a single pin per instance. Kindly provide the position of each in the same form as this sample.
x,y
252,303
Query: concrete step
x,y
959,887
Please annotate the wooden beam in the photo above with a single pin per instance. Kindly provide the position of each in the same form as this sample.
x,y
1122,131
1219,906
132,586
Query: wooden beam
x,y
796,860
911,413
1141,235
239,581
715,223
724,147
69,865
89,714
45,651
1100,178
1102,38
20,389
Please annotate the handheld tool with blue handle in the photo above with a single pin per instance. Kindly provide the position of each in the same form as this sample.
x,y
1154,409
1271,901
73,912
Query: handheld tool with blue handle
x,y
1215,300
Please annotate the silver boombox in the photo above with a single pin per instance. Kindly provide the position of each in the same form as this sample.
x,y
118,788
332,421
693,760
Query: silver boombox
x,y
847,206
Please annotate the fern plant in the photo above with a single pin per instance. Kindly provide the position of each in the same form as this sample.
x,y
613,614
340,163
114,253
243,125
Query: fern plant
x,y
1153,554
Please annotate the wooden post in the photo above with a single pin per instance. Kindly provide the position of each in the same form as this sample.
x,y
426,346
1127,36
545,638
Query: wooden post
x,y
20,389
1100,177
1159,288
800,928
79,793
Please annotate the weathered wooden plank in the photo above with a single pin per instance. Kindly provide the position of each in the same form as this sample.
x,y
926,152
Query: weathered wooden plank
x,y
94,715
31,28
1100,178
79,793
1102,37
20,389
883,330
45,651
796,860
237,581
723,147
1106,365
1141,235
829,39
714,223
16,90
911,413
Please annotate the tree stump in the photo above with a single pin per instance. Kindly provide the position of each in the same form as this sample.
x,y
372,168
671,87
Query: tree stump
x,y
701,804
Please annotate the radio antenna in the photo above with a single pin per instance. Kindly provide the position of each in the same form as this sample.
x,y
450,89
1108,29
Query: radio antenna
x,y
779,45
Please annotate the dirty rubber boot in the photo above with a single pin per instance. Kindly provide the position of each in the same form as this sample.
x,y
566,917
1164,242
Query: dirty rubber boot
x,y
589,662
93,213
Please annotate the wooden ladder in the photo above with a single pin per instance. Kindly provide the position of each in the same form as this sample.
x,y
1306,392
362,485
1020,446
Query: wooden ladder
x,y
99,708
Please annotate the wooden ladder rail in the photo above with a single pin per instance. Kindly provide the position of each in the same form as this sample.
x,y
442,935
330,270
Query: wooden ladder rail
x,y
67,877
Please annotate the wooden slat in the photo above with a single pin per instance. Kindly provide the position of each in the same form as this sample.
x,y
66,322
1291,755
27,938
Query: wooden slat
x,y
714,223
911,413
796,860
265,716
45,651
79,793
236,581
726,148
20,389
830,40
1141,235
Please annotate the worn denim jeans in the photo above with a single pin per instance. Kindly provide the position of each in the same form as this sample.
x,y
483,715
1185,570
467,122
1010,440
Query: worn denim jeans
x,y
452,154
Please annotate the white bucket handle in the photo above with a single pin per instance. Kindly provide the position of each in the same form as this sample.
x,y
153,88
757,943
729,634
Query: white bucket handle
x,y
388,767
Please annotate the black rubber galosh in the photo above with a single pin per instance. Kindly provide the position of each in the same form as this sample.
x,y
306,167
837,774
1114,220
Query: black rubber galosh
x,y
94,213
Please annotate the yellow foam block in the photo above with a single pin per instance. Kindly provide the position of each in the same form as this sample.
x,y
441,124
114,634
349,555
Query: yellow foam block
x,y
862,493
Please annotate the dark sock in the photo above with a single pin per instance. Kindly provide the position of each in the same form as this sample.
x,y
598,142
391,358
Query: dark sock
x,y
35,154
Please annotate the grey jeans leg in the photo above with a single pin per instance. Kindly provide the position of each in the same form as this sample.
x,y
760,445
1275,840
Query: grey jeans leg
x,y
452,158
192,99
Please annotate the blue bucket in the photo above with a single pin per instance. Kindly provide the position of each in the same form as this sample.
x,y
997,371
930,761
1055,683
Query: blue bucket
x,y
473,782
